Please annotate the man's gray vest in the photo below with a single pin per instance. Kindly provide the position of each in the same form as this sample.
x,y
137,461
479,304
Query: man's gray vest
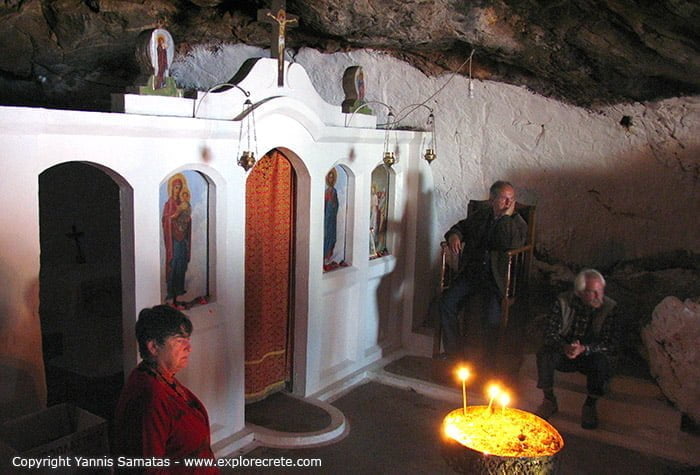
x,y
568,313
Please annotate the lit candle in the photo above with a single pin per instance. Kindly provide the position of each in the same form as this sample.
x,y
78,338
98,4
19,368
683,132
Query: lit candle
x,y
503,400
493,391
463,374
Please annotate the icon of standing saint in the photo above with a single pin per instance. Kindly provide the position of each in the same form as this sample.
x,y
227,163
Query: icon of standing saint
x,y
155,54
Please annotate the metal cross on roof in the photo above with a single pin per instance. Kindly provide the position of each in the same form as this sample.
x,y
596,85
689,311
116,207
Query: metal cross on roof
x,y
279,18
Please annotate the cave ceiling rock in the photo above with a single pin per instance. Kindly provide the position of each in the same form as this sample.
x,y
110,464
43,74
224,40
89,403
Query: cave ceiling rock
x,y
73,53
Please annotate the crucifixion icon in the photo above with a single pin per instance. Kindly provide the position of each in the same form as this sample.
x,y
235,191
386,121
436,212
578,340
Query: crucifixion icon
x,y
280,20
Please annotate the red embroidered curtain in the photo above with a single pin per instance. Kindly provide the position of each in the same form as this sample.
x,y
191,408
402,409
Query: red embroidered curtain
x,y
268,267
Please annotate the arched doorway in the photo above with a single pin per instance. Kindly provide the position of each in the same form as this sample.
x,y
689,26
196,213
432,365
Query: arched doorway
x,y
269,276
80,286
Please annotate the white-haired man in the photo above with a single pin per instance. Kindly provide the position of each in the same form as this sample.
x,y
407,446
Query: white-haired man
x,y
581,334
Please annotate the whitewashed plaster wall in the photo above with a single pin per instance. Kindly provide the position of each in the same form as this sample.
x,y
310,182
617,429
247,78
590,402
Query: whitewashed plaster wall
x,y
344,319
138,153
604,191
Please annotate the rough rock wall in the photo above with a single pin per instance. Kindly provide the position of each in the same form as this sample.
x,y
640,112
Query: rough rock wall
x,y
619,182
74,53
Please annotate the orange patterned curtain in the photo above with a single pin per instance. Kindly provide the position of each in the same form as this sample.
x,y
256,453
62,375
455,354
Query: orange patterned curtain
x,y
268,263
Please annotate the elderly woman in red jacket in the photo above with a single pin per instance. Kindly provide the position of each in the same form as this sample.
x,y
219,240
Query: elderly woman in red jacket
x,y
157,416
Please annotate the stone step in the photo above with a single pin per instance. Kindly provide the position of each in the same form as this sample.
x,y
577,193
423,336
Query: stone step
x,y
680,447
619,385
642,414
631,402
634,414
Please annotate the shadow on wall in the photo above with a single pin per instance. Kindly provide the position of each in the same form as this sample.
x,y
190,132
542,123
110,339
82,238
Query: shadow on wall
x,y
588,215
427,257
18,392
388,305
20,378
389,296
595,216
391,290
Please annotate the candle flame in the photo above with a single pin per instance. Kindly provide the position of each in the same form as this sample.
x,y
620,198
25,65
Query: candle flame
x,y
493,391
463,373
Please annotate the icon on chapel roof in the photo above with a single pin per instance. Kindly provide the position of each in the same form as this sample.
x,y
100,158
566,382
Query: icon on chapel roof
x,y
354,88
155,53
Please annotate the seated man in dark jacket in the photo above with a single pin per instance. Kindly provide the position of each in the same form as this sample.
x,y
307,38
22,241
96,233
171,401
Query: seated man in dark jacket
x,y
581,334
481,241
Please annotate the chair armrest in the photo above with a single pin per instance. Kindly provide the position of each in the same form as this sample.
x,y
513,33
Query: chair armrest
x,y
519,250
518,270
451,259
449,265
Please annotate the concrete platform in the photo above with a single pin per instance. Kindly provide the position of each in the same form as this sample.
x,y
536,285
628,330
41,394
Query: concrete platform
x,y
286,421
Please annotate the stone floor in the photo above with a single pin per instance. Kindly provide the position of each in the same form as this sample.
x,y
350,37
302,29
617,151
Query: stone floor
x,y
396,430
393,430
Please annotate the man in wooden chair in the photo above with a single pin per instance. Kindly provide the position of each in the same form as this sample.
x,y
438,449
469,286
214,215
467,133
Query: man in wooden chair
x,y
481,241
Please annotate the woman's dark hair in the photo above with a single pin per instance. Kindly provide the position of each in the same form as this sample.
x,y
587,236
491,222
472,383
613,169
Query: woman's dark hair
x,y
158,323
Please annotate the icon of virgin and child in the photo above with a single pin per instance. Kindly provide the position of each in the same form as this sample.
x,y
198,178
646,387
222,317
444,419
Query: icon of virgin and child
x,y
177,236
